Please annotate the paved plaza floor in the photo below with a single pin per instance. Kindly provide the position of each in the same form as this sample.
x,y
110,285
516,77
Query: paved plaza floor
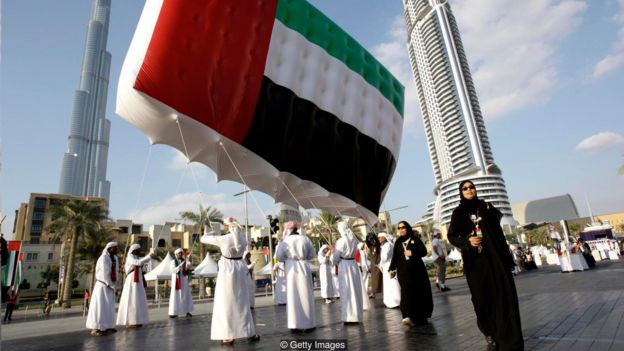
x,y
560,311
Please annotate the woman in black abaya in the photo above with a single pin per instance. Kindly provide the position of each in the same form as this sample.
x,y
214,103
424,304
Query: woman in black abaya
x,y
475,229
407,264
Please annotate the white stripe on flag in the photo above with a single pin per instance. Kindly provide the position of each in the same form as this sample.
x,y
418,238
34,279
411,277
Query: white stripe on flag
x,y
312,74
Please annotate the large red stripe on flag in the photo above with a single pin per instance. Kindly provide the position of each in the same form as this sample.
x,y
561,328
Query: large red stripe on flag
x,y
206,60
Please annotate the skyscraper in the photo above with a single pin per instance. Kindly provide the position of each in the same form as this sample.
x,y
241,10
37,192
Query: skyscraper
x,y
83,172
454,127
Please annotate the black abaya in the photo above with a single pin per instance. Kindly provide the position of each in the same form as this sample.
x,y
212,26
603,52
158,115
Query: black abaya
x,y
488,273
416,297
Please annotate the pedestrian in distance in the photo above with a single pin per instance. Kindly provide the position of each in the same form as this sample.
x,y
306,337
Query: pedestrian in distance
x,y
180,299
391,286
10,305
133,311
373,246
85,302
475,229
407,265
101,317
325,273
438,253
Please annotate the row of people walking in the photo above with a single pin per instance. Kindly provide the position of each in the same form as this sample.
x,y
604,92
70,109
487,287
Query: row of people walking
x,y
474,229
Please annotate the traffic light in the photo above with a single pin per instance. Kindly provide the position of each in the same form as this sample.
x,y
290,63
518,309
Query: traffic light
x,y
275,225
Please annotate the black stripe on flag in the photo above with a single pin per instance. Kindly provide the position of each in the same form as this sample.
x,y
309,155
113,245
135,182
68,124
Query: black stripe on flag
x,y
295,136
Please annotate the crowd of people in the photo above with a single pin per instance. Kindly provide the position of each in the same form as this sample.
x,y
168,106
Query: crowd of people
x,y
350,271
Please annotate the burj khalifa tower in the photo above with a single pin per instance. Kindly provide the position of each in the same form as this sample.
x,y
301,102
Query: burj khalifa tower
x,y
83,171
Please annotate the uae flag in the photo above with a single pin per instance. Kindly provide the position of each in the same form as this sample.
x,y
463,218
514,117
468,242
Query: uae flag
x,y
13,269
274,78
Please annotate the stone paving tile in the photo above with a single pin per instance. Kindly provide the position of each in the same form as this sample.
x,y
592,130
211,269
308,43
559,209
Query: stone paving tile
x,y
572,311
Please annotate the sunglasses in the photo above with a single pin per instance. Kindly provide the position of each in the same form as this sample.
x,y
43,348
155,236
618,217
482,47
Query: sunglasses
x,y
401,227
468,187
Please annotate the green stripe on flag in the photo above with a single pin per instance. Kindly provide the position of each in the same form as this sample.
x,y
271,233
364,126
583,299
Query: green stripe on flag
x,y
302,17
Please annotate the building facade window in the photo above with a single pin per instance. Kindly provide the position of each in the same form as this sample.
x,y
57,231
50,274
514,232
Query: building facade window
x,y
136,229
143,242
38,216
32,256
176,242
50,256
40,203
35,240
36,228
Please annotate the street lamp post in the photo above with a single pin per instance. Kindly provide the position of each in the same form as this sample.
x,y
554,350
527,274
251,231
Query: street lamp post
x,y
394,209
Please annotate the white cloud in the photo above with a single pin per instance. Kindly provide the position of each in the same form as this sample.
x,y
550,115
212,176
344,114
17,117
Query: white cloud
x,y
615,59
169,209
511,45
512,48
601,142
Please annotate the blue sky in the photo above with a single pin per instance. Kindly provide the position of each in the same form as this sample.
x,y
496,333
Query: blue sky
x,y
549,74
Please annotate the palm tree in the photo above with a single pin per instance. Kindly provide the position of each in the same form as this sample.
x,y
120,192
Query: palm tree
x,y
328,226
201,220
91,245
427,230
71,219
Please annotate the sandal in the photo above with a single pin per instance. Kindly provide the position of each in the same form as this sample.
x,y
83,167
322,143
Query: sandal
x,y
228,342
254,338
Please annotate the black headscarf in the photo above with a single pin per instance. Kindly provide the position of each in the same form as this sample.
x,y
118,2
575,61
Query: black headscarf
x,y
469,206
408,229
462,226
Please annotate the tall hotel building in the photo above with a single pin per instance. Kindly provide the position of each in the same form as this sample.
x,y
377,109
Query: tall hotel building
x,y
456,135
83,171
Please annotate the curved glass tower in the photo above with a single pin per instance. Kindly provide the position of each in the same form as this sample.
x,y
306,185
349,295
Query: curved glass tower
x,y
83,172
454,127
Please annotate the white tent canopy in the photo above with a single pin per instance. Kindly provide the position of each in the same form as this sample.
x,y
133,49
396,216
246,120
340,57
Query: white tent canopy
x,y
162,271
454,255
206,269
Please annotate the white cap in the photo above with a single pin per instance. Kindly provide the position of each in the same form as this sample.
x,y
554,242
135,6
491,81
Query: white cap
x,y
229,221
134,247
178,250
110,244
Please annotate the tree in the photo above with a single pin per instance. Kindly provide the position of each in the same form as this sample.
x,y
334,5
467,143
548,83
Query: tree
x,y
327,229
49,275
24,285
538,236
201,220
427,230
71,219
90,248
574,228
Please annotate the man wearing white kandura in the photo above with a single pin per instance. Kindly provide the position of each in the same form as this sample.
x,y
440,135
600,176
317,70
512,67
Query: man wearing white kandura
x,y
180,299
133,310
391,286
101,317
295,250
231,312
